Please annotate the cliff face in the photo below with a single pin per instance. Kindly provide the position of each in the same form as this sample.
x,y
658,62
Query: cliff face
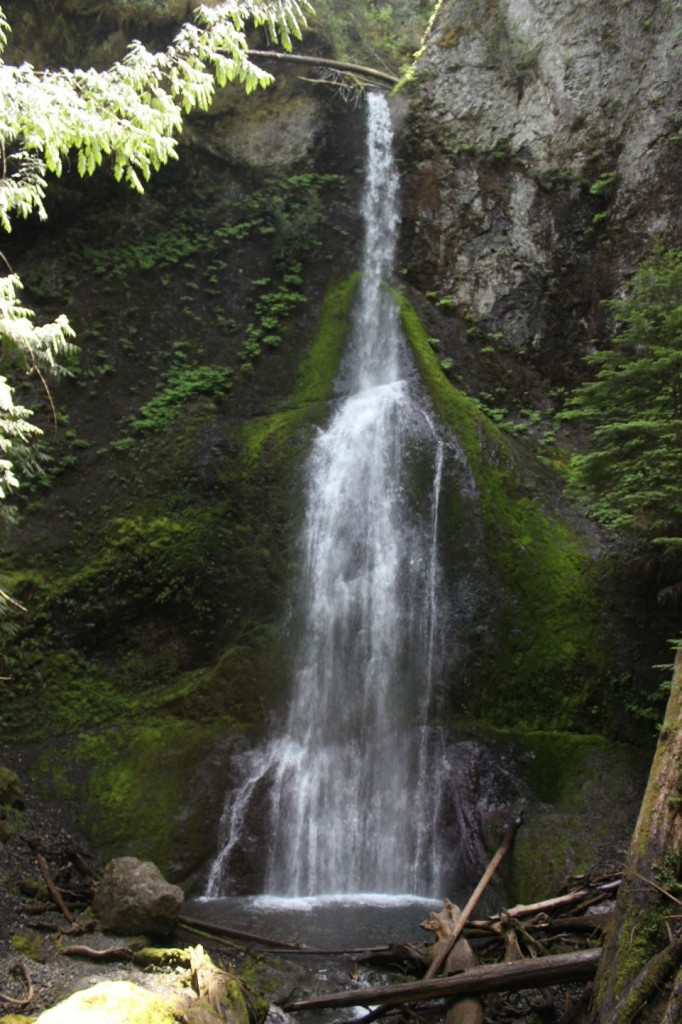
x,y
538,152
543,151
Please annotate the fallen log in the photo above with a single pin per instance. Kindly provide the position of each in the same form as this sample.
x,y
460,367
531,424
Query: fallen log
x,y
544,971
233,933
441,954
212,931
328,62
636,932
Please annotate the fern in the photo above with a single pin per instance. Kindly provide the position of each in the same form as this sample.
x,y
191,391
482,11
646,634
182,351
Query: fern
x,y
129,117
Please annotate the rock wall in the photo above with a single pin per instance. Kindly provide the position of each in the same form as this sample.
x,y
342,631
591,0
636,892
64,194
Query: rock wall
x,y
157,561
542,154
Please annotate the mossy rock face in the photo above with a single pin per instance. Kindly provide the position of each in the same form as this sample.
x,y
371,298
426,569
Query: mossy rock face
x,y
274,978
537,637
161,655
579,797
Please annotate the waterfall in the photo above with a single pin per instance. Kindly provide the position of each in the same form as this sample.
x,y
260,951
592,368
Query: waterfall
x,y
351,780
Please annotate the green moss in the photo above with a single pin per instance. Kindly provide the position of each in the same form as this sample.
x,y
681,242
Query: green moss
x,y
30,944
580,794
451,405
161,959
319,368
549,651
315,377
642,935
11,793
137,782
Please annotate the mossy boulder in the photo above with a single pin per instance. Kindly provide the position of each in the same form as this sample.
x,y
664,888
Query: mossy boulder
x,y
116,1002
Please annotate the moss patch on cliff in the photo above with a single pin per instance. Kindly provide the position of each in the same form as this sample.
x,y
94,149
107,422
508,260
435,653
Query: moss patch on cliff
x,y
315,377
153,636
548,653
579,795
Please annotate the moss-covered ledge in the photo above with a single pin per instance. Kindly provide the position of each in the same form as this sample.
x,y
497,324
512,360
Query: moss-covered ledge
x,y
550,653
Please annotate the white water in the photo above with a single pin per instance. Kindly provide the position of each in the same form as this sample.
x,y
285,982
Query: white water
x,y
351,780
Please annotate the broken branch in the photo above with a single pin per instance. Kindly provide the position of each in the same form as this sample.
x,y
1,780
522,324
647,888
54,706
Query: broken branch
x,y
442,954
54,891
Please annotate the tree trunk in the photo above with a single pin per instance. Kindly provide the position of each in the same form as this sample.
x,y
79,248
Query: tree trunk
x,y
642,925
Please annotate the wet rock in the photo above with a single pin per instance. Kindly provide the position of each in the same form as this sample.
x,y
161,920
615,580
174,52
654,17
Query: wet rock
x,y
540,156
134,897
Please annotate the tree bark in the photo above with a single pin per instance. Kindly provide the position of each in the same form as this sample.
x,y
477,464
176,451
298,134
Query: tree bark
x,y
640,927
467,1009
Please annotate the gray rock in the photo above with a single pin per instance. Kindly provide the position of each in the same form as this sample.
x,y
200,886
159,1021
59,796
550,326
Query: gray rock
x,y
134,897
520,111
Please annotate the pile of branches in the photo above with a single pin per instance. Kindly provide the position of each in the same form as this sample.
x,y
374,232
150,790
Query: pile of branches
x,y
529,947
68,883
62,889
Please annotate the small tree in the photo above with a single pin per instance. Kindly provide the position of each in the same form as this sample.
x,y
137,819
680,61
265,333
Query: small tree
x,y
631,477
129,116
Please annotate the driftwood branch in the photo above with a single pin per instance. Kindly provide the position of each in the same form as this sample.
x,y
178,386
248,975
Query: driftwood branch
x,y
54,891
556,903
442,953
122,953
543,971
467,1009
193,924
19,968
327,62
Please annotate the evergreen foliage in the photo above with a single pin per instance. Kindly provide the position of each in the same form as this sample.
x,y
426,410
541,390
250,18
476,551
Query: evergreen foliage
x,y
128,117
384,33
631,477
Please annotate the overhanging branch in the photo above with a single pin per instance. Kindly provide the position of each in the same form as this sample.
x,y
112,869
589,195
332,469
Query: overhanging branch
x,y
326,62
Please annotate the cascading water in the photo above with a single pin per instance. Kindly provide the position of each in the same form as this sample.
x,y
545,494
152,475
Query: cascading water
x,y
352,779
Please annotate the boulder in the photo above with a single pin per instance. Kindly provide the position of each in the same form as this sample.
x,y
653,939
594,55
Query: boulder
x,y
116,1002
133,897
